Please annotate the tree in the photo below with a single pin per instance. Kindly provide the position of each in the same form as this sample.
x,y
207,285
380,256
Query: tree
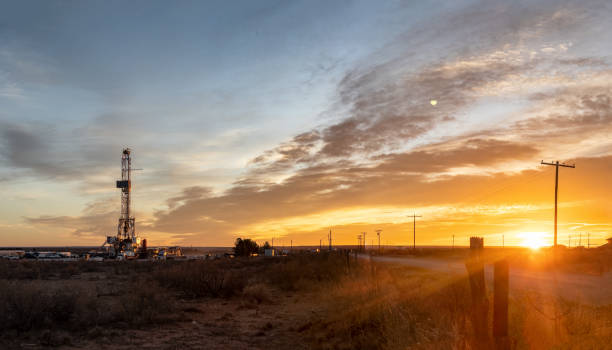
x,y
245,247
266,246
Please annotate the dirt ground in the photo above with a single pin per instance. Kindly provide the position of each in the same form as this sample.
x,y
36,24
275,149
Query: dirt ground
x,y
210,323
236,322
220,324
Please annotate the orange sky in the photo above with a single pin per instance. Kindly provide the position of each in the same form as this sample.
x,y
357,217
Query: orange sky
x,y
310,134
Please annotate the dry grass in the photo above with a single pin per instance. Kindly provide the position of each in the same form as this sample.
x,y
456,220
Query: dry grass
x,y
353,305
393,307
256,294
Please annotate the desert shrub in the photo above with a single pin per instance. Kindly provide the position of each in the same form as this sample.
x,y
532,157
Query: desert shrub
x,y
257,293
144,303
198,279
27,306
32,269
306,270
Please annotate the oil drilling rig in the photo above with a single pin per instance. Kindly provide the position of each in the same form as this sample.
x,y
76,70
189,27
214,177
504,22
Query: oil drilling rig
x,y
125,245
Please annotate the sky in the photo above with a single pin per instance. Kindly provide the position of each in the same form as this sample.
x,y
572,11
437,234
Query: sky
x,y
287,119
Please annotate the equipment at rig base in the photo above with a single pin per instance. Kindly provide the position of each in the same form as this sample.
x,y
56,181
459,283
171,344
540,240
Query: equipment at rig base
x,y
125,245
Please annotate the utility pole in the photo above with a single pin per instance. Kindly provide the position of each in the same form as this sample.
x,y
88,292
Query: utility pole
x,y
453,242
378,234
363,236
320,244
330,240
414,216
359,240
557,165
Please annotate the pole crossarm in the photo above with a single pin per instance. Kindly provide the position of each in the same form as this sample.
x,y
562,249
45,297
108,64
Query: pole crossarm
x,y
559,164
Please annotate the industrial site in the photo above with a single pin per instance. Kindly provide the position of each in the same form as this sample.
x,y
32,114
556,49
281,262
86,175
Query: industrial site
x,y
306,174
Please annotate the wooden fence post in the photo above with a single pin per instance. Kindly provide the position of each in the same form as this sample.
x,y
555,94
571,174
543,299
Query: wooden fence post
x,y
500,305
480,304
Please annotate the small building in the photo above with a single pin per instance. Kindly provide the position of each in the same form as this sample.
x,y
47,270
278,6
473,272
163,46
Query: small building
x,y
609,244
269,252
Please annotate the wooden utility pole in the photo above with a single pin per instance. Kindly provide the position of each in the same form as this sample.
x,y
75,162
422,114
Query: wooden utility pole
x,y
414,216
363,235
330,240
557,165
378,234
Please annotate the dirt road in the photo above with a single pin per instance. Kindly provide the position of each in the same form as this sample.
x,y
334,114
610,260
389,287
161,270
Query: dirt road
x,y
585,288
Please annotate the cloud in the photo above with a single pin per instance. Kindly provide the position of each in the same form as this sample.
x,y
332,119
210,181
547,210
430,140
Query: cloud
x,y
27,147
381,150
97,220
382,142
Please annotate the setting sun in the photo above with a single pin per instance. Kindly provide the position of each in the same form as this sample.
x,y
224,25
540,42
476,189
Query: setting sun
x,y
533,240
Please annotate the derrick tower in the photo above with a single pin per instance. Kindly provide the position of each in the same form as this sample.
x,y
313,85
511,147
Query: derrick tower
x,y
125,228
125,245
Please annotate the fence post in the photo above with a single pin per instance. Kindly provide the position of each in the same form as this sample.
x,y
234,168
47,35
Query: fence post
x,y
347,252
480,305
500,305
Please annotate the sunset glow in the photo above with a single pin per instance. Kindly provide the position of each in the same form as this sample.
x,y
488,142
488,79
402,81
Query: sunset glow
x,y
269,120
534,240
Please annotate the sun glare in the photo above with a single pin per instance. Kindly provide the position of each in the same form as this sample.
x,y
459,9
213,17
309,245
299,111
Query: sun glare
x,y
533,240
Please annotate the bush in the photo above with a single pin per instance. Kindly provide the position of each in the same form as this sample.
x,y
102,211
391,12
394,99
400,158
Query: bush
x,y
256,294
198,279
301,271
27,306
144,304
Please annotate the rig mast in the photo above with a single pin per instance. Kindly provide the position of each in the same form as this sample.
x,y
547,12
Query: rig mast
x,y
125,245
125,229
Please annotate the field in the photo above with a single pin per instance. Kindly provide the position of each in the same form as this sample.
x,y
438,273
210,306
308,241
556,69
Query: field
x,y
302,301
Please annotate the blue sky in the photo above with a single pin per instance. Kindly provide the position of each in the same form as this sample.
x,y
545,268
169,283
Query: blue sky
x,y
201,90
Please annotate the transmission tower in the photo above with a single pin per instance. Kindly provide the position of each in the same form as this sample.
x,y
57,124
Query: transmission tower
x,y
557,165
